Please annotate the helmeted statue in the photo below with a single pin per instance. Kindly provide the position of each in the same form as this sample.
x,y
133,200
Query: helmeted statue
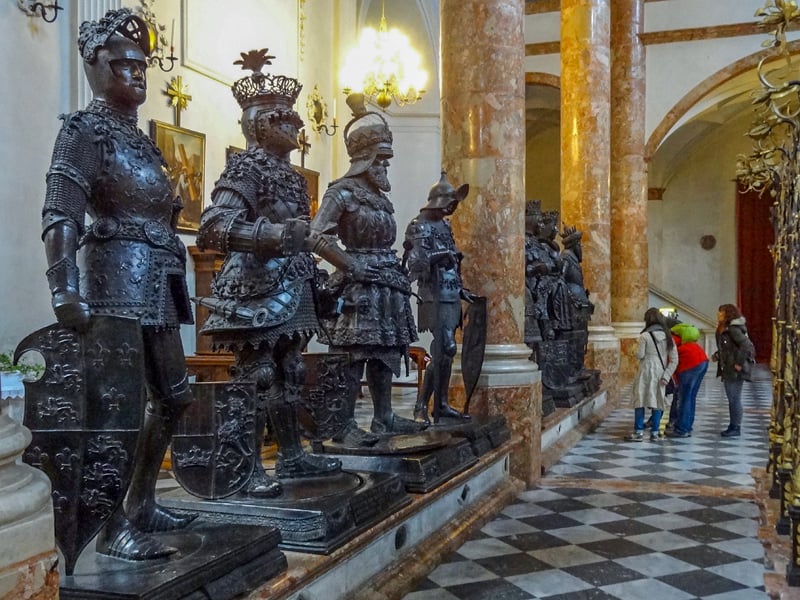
x,y
434,262
375,324
132,263
263,298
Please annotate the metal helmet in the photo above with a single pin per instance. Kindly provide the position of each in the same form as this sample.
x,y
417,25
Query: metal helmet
x,y
443,194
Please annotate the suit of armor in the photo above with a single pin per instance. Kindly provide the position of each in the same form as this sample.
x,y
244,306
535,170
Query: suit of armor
x,y
262,307
433,262
132,263
375,324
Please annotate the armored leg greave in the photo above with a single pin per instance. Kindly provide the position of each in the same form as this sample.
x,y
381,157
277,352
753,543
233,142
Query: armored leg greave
x,y
379,380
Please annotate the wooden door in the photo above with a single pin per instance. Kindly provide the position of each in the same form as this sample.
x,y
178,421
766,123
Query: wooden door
x,y
756,284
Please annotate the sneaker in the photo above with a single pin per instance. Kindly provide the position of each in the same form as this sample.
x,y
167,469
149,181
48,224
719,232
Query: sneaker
x,y
678,434
731,432
636,436
654,437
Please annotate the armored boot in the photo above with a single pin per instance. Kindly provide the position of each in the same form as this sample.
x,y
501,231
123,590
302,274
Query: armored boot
x,y
385,421
351,434
424,397
443,408
121,539
261,485
141,506
293,461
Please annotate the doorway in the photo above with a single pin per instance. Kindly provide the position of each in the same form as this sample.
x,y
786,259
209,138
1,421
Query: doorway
x,y
756,285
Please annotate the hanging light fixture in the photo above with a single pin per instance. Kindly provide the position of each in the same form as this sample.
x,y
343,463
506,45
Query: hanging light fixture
x,y
384,67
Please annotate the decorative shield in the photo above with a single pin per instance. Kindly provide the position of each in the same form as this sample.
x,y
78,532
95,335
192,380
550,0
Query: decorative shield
x,y
473,346
85,414
329,395
212,448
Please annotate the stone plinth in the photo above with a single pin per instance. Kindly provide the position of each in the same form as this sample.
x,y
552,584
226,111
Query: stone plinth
x,y
628,335
27,544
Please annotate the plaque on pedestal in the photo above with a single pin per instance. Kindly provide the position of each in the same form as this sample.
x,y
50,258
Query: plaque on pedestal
x,y
314,514
212,562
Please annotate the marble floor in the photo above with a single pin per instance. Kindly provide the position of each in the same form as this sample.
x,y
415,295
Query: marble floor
x,y
668,520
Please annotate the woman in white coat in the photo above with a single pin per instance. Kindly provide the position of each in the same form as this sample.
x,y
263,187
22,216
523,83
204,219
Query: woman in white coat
x,y
658,359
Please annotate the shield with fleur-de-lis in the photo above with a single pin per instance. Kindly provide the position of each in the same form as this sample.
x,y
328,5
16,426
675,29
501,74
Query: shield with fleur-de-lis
x,y
85,413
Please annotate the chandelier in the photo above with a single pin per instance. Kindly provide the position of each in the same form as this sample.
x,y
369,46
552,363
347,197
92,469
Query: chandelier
x,y
384,67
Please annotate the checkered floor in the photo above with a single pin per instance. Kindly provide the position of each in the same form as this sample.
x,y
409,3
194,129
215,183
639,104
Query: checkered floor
x,y
672,519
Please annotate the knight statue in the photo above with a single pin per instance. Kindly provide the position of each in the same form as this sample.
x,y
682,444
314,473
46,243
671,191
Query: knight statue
x,y
262,306
374,324
434,262
128,264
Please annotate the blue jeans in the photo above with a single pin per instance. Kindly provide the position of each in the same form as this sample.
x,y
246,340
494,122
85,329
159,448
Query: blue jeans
x,y
638,419
688,385
733,390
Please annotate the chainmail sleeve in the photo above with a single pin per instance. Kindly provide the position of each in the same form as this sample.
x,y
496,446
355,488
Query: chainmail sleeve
x,y
77,156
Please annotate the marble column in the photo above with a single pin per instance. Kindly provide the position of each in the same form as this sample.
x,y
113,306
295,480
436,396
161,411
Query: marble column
x,y
28,559
629,274
585,163
483,144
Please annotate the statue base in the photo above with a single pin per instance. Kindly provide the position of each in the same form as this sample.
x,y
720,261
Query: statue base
x,y
213,562
483,434
314,514
423,460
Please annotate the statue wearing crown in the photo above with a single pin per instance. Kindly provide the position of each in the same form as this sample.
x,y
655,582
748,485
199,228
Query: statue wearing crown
x,y
263,300
116,382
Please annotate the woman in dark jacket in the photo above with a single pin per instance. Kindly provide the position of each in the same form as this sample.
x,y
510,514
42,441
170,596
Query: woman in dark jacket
x,y
733,357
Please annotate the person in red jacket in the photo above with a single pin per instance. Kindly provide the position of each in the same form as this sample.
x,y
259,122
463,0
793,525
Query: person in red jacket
x,y
692,367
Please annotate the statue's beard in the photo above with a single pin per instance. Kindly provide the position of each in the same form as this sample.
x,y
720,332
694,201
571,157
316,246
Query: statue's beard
x,y
379,179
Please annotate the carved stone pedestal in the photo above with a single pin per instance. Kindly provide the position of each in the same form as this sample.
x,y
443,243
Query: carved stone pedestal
x,y
423,461
313,514
213,562
482,433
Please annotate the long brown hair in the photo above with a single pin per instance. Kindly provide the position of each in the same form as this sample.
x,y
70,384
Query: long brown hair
x,y
653,316
729,313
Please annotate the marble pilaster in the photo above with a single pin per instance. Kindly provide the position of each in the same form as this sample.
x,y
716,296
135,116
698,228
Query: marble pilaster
x,y
483,144
629,273
28,556
586,164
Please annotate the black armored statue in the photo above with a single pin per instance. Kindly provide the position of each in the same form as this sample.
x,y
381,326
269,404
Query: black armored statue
x,y
119,295
434,261
374,323
263,298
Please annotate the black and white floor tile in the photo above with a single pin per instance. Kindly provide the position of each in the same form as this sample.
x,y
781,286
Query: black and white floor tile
x,y
666,520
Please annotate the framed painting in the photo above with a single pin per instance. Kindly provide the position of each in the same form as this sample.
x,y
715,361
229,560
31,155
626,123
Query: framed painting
x,y
185,153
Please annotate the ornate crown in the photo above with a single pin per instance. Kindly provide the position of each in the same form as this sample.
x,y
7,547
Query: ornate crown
x,y
550,216
570,236
94,34
261,88
533,208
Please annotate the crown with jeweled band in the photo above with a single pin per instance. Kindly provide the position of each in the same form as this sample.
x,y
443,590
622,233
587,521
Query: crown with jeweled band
x,y
94,34
533,208
570,236
550,216
263,88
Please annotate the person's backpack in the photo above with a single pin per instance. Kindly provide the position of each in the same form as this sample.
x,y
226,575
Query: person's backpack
x,y
748,349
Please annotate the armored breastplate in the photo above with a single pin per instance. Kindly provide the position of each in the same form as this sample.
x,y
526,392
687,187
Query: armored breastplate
x,y
133,184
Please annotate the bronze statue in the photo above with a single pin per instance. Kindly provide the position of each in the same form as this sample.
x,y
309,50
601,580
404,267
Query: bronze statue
x,y
375,324
263,300
434,262
543,268
132,265
581,308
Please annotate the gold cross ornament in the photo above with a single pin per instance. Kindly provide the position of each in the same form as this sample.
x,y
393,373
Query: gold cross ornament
x,y
178,98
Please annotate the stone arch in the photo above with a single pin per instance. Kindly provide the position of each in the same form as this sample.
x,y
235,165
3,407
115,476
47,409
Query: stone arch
x,y
697,93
